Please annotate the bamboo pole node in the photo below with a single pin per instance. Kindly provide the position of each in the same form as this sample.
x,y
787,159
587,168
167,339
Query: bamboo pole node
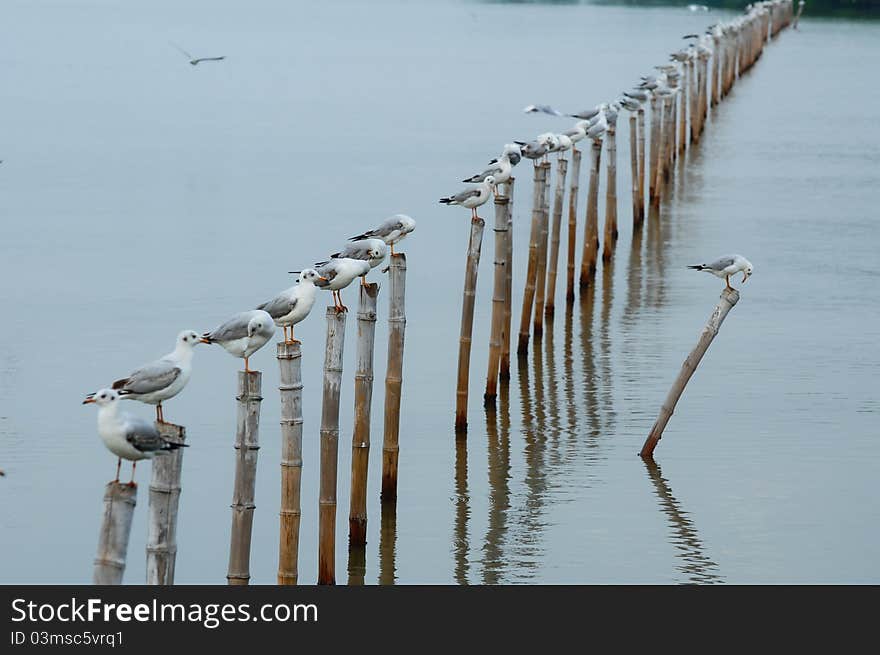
x,y
119,503
467,323
289,356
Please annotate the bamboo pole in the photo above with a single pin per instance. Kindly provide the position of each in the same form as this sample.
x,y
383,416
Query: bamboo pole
x,y
729,298
247,446
531,272
541,274
499,296
656,108
553,262
634,167
641,114
572,221
659,154
716,63
591,224
693,90
388,544
393,375
119,502
164,501
610,236
683,102
472,266
363,399
289,357
330,446
504,365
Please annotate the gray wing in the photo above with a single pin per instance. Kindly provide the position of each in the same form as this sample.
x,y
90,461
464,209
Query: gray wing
x,y
149,378
721,263
328,271
143,435
355,250
278,306
387,226
235,328
461,196
492,170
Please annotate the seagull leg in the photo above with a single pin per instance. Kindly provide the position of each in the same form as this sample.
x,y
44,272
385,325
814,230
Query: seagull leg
x,y
133,466
727,279
292,340
363,280
474,218
118,466
160,417
392,250
246,369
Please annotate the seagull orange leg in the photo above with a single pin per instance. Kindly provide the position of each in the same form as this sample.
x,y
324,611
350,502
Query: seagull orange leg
x,y
392,250
727,279
118,466
246,369
133,466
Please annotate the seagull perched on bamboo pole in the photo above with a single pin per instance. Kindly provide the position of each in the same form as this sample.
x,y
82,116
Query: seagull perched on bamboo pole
x,y
392,230
195,61
500,168
338,274
243,334
726,266
125,435
473,197
292,305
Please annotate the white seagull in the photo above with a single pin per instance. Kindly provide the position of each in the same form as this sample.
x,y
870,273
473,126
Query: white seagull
x,y
370,250
545,109
500,168
243,334
338,274
127,436
292,305
162,379
195,60
472,198
726,266
392,230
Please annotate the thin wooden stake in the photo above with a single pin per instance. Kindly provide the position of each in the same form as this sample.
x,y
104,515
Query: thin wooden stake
x,y
504,365
553,261
641,113
572,222
393,375
330,446
119,502
289,357
729,298
656,108
610,236
164,501
247,446
363,400
634,167
591,224
499,295
472,267
531,272
541,271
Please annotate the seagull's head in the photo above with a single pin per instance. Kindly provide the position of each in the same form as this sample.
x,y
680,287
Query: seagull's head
x,y
378,252
747,271
311,275
490,180
101,398
188,339
259,323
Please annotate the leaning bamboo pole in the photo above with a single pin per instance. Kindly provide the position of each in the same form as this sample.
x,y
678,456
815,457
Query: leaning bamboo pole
x,y
591,223
363,400
610,235
729,298
531,271
553,261
330,446
472,266
119,502
290,386
393,375
499,296
164,501
504,364
541,270
572,222
247,445
634,167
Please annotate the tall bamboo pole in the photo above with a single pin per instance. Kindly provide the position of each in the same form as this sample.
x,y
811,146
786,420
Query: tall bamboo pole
x,y
499,296
531,272
610,236
164,501
729,298
716,63
504,365
591,224
541,271
330,446
656,108
641,113
289,357
634,167
682,116
553,262
363,400
119,502
467,322
393,375
693,91
572,222
247,445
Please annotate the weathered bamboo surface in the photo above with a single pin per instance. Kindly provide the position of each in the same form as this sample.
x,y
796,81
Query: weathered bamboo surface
x,y
247,446
591,222
119,502
164,500
499,297
572,222
553,259
729,298
642,128
363,400
507,328
393,375
289,357
472,267
541,271
634,168
610,235
531,272
330,446
656,106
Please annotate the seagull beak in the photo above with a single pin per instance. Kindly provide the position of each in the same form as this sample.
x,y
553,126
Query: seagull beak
x,y
203,340
89,400
322,278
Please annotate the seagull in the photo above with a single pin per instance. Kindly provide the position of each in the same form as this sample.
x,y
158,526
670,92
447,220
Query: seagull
x,y
338,274
292,305
194,60
588,114
161,379
371,250
577,133
473,197
698,8
243,334
499,168
546,109
532,149
726,266
125,435
392,230
598,130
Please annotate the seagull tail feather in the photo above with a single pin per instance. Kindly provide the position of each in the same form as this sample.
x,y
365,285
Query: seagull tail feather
x,y
698,267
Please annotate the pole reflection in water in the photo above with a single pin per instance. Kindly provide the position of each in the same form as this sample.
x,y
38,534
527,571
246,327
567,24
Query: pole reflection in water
x,y
554,424
388,543
498,433
657,233
460,542
568,371
605,345
696,566
591,405
357,564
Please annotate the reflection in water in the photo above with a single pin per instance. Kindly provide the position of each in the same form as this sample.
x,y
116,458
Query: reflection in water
x,y
554,424
498,432
634,277
591,404
657,230
462,512
605,344
696,565
357,564
568,368
388,543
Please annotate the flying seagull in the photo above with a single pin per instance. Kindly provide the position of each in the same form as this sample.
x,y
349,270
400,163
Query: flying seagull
x,y
726,266
195,60
545,109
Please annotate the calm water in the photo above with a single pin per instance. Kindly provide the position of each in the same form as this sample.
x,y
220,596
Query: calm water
x,y
141,196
